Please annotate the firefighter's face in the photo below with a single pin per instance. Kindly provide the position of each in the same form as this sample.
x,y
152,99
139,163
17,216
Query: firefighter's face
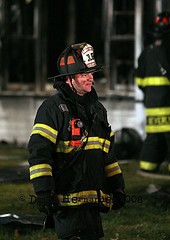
x,y
83,83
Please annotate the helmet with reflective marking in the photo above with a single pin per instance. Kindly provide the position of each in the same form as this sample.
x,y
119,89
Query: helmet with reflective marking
x,y
75,59
161,25
162,18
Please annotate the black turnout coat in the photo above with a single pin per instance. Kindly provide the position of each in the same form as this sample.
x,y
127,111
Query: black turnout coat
x,y
78,175
153,78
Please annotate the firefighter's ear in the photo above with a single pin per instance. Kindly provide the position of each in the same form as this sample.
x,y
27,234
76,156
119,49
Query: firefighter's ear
x,y
69,80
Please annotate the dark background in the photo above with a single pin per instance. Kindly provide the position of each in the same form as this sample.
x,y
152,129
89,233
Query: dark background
x,y
88,28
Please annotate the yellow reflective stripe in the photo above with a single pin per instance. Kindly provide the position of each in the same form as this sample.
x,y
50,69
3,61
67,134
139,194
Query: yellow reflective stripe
x,y
84,197
112,169
63,146
93,143
169,167
45,131
156,129
111,134
138,81
98,143
148,165
158,111
158,120
152,81
40,170
78,198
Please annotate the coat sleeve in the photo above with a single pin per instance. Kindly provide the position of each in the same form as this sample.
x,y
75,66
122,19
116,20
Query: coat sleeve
x,y
113,171
141,69
41,147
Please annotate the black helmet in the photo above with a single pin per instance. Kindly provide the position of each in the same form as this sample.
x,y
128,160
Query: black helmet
x,y
77,58
163,18
161,25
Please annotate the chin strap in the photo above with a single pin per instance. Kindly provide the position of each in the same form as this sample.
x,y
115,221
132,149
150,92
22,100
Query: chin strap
x,y
72,87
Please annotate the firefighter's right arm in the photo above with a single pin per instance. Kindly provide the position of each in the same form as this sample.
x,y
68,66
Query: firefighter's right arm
x,y
41,149
40,162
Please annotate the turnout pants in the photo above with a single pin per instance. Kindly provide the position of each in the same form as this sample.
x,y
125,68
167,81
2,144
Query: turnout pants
x,y
78,223
155,150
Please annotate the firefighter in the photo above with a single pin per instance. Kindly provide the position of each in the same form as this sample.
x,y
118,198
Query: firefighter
x,y
153,78
71,160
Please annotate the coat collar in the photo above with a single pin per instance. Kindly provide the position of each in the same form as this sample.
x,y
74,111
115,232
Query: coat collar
x,y
88,98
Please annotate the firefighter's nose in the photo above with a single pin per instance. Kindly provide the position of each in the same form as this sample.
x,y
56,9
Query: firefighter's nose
x,y
90,76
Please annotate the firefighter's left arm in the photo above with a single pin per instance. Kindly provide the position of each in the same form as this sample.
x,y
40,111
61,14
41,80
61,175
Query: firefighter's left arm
x,y
114,176
139,73
115,180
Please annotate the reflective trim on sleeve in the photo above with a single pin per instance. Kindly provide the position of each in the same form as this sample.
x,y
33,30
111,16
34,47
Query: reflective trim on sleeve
x,y
148,165
40,170
111,134
112,169
45,131
152,81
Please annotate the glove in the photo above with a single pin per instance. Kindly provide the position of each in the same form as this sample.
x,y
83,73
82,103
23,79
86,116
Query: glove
x,y
118,199
45,202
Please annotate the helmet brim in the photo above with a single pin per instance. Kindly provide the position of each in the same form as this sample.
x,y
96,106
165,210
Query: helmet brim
x,y
90,70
